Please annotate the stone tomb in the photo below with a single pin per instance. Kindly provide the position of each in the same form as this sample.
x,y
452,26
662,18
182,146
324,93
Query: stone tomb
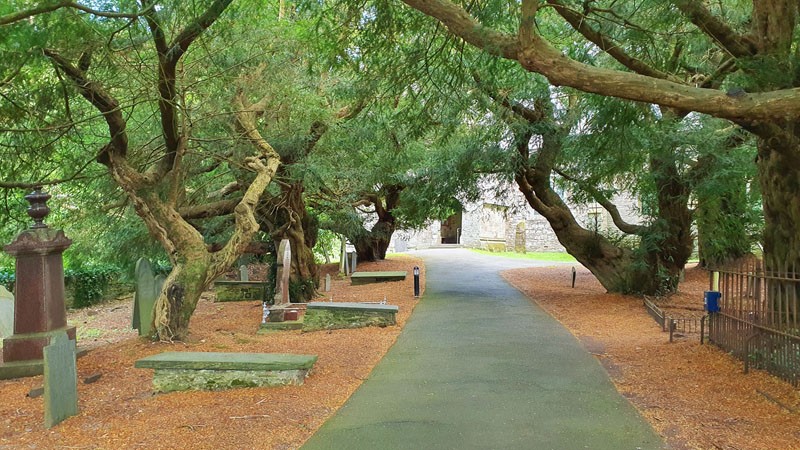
x,y
330,316
377,277
181,371
239,291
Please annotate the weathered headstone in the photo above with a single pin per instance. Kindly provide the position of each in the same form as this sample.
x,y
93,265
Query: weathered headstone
x,y
148,287
284,260
60,380
401,245
343,259
6,313
244,275
354,260
328,283
39,308
519,238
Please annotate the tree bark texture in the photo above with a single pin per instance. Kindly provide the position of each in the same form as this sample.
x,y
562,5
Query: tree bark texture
x,y
779,176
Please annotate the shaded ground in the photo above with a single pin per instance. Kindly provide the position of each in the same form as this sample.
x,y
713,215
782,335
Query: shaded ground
x,y
696,396
119,410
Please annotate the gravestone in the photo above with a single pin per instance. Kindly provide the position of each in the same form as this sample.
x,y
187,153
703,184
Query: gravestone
x,y
519,238
60,380
6,313
343,269
284,260
39,308
148,288
244,275
401,245
354,260
328,283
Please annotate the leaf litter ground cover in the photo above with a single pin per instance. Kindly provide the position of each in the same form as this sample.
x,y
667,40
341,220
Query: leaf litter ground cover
x,y
695,396
120,411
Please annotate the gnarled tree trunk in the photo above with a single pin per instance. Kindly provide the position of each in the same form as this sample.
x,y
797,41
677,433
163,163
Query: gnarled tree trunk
x,y
295,224
779,176
372,245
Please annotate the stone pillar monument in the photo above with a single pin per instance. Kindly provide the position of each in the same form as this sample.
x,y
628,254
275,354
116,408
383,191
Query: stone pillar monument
x,y
281,301
39,309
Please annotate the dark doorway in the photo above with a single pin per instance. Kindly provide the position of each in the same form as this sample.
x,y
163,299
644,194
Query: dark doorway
x,y
451,229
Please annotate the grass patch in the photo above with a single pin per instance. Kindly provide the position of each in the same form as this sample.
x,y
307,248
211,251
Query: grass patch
x,y
535,256
88,333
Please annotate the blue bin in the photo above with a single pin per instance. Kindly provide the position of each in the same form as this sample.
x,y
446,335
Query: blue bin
x,y
711,301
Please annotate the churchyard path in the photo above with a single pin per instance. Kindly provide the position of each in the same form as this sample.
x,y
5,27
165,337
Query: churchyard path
x,y
479,366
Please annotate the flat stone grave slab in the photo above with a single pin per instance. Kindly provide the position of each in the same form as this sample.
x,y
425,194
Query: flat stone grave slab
x,y
239,291
270,327
377,277
331,316
181,371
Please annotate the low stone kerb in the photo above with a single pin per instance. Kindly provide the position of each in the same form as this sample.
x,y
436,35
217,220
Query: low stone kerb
x,y
352,306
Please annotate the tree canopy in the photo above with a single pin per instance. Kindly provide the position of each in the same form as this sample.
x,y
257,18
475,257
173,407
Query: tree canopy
x,y
189,129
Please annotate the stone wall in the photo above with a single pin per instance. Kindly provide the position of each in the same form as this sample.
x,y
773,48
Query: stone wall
x,y
522,224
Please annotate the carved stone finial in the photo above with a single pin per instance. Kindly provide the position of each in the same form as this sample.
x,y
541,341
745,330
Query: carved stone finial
x,y
38,209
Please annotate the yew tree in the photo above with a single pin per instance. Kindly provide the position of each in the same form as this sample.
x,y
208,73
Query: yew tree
x,y
151,95
747,74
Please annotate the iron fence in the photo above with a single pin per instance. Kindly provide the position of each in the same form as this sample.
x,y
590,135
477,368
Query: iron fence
x,y
758,318
674,323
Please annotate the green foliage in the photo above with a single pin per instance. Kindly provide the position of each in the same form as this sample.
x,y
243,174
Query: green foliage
x,y
89,283
328,244
7,278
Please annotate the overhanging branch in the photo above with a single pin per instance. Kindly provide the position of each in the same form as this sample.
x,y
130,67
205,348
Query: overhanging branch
x,y
601,199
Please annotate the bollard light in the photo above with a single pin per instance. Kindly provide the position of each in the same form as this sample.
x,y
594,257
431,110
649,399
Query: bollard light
x,y
416,281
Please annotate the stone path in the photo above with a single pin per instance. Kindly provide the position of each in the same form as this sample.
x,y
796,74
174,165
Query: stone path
x,y
478,366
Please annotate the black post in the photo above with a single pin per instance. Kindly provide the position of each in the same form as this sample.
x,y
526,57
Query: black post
x,y
416,281
573,277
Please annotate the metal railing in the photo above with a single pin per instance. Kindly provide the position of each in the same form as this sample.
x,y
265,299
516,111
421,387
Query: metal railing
x,y
673,323
758,318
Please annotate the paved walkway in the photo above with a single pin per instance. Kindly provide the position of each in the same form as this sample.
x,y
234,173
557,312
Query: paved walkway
x,y
478,366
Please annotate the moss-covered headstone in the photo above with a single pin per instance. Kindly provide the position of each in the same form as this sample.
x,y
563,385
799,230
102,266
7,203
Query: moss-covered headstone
x,y
148,287
60,380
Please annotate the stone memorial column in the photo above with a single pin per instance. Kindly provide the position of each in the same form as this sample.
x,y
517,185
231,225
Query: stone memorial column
x,y
39,309
281,301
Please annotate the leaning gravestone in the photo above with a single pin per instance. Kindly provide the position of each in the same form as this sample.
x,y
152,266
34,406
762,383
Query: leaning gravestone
x,y
60,380
6,313
148,287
